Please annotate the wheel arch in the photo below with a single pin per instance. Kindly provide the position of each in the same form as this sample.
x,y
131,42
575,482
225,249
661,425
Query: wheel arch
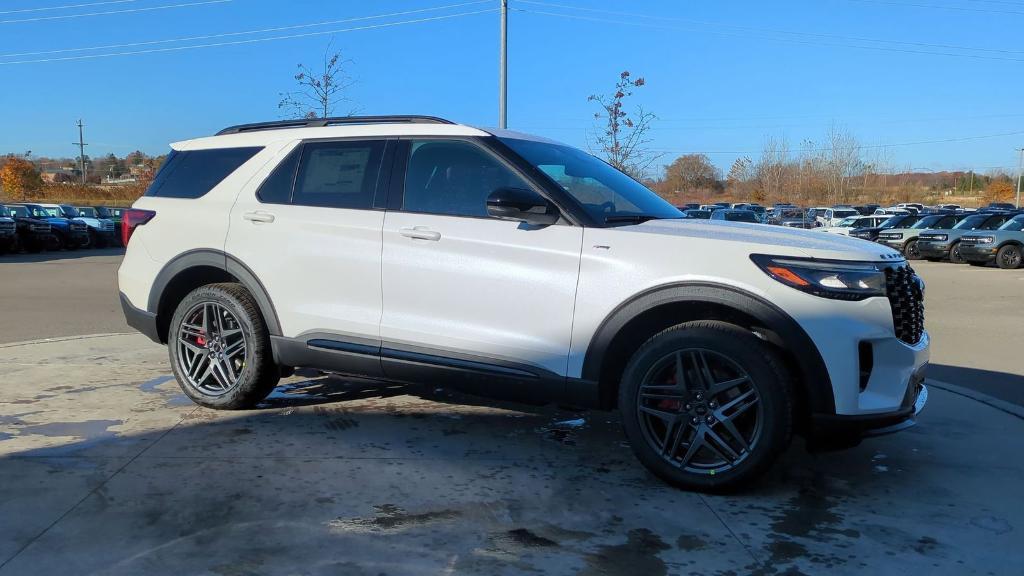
x,y
196,268
645,314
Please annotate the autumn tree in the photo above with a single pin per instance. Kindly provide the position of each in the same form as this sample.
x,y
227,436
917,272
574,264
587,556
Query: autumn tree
x,y
621,135
321,90
1000,189
19,178
692,172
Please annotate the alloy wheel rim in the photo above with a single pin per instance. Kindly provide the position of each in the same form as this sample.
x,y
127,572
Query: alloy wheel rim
x,y
912,250
1011,258
211,349
699,410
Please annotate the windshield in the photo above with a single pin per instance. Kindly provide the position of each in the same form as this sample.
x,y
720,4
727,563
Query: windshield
x,y
848,222
926,222
86,212
605,193
1013,224
971,222
20,211
4,212
741,216
899,220
69,212
844,213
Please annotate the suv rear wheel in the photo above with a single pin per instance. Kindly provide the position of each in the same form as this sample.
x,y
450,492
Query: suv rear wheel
x,y
220,348
706,405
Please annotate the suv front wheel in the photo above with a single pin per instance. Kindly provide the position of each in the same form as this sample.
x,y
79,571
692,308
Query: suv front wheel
x,y
220,348
706,405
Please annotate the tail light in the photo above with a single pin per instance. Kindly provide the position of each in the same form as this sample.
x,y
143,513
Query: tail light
x,y
131,219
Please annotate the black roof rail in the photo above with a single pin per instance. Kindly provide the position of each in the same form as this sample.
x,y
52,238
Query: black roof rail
x,y
339,121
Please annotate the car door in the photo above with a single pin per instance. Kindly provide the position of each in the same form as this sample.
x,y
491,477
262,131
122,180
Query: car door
x,y
310,232
467,295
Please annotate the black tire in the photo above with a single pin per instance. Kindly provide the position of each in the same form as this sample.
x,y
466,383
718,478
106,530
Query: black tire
x,y
58,243
257,374
911,251
954,254
771,432
1009,257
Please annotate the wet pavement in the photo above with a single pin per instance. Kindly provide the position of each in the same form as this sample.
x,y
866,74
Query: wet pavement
x,y
106,468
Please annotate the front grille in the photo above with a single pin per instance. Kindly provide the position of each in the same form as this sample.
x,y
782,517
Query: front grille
x,y
7,226
78,227
906,299
108,226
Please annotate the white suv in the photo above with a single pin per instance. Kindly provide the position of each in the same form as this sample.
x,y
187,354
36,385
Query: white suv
x,y
414,249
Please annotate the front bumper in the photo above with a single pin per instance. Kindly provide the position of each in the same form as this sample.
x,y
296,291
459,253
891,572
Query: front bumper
x,y
978,252
833,431
933,249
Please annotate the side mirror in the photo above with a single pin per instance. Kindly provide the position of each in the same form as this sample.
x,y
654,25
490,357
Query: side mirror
x,y
521,205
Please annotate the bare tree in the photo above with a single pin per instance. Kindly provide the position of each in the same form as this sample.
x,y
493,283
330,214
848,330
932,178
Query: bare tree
x,y
622,136
842,159
319,92
772,166
691,172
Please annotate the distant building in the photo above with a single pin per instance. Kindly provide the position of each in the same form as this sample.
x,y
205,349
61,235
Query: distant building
x,y
60,175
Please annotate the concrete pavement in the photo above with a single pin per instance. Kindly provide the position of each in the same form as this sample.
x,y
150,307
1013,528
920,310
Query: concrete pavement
x,y
106,468
55,294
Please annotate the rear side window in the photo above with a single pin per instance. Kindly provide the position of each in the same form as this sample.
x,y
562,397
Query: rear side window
x,y
277,188
338,174
193,173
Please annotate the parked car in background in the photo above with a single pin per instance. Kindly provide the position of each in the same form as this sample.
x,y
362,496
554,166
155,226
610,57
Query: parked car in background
x,y
833,216
689,206
697,214
1003,245
846,225
913,207
793,218
102,230
34,234
895,221
999,206
892,211
8,232
760,211
904,239
952,207
866,209
65,233
735,216
945,244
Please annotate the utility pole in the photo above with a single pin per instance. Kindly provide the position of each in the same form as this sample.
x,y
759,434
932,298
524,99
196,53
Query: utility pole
x,y
503,69
1020,172
81,149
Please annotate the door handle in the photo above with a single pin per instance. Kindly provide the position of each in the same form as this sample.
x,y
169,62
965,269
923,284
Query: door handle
x,y
259,217
420,233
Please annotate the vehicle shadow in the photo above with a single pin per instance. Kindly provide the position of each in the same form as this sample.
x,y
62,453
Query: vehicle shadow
x,y
51,256
1001,385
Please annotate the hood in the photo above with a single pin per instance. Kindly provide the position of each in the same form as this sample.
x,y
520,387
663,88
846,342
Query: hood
x,y
767,239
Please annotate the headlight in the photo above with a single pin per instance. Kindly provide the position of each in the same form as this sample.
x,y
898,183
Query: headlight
x,y
834,279
938,237
984,240
892,236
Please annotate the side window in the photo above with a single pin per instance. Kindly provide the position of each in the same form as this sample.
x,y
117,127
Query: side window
x,y
944,223
453,177
193,173
277,188
338,174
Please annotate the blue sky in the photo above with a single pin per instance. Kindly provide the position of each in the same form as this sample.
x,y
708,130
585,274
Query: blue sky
x,y
721,76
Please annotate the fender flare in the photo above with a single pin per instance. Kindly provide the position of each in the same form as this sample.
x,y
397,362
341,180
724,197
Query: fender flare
x,y
223,261
808,361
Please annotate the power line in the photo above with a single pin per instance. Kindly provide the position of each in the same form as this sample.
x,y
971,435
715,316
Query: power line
x,y
108,12
247,41
66,6
242,33
768,30
937,7
860,147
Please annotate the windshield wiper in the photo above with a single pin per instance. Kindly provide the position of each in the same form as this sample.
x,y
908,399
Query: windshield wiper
x,y
634,218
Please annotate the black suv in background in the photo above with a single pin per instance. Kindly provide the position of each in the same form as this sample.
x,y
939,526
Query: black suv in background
x,y
8,232
34,235
897,221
